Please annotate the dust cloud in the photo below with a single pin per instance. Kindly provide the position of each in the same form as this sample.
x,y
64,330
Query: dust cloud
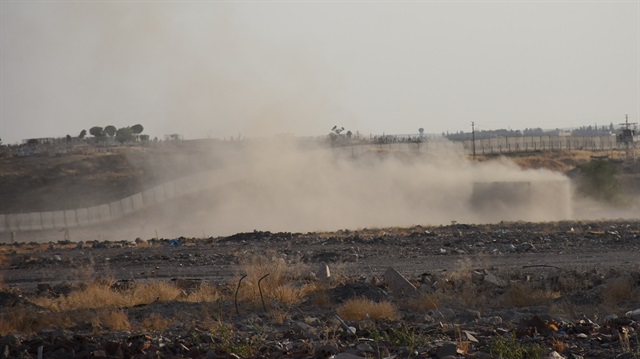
x,y
292,185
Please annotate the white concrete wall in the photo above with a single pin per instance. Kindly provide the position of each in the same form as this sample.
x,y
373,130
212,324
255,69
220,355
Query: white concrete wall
x,y
47,220
35,222
116,209
82,216
70,218
58,220
127,205
138,202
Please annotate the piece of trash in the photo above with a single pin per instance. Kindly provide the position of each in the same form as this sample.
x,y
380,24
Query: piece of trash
x,y
175,243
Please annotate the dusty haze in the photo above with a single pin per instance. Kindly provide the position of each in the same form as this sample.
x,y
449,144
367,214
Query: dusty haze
x,y
283,186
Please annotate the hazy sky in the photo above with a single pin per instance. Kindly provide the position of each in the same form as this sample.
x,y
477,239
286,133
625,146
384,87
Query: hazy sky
x,y
219,69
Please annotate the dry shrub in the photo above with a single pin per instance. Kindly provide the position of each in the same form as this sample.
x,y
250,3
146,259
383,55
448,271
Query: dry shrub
x,y
423,303
619,290
97,294
558,345
362,308
17,320
320,297
155,291
101,294
278,316
113,320
277,286
204,293
524,295
21,320
156,322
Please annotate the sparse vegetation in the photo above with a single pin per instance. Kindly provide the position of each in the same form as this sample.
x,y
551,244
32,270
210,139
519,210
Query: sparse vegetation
x,y
510,348
362,308
600,181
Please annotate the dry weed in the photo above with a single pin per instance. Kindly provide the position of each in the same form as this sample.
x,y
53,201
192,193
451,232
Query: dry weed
x,y
423,303
558,345
362,308
204,293
156,322
278,285
113,320
524,295
21,320
619,290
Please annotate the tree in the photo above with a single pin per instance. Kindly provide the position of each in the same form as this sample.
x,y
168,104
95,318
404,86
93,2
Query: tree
x,y
82,134
124,134
137,129
421,130
110,131
600,181
96,131
336,134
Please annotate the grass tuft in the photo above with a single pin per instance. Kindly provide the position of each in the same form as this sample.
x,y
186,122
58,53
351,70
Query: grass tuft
x,y
362,308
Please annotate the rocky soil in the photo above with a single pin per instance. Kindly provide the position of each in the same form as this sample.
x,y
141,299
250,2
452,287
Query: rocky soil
x,y
511,290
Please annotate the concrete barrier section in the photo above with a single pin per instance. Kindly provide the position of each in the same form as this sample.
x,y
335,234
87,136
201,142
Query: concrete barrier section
x,y
70,218
47,220
35,222
94,214
116,209
58,219
127,205
149,197
82,216
170,190
138,202
105,212
181,186
158,193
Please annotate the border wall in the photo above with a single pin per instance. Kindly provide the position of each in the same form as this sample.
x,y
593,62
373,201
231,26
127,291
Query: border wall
x,y
72,218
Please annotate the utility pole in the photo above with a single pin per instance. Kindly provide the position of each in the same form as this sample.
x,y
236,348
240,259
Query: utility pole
x,y
473,139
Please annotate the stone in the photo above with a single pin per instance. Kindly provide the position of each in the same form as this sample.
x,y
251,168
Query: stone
x,y
491,278
633,314
447,350
347,356
324,274
555,355
365,347
397,282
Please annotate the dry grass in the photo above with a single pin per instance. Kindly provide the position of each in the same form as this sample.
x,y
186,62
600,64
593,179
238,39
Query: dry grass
x,y
101,294
362,308
111,320
561,161
423,303
156,322
619,290
283,284
21,320
524,295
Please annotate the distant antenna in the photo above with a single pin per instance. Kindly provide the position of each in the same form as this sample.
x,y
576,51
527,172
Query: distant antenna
x,y
473,139
628,138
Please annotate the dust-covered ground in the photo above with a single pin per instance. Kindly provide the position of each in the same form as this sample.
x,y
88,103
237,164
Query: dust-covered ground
x,y
569,287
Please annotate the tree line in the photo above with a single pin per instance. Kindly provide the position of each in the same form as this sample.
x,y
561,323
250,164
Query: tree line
x,y
123,134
